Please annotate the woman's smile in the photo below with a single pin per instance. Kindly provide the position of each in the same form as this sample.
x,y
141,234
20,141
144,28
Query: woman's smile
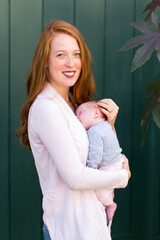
x,y
69,74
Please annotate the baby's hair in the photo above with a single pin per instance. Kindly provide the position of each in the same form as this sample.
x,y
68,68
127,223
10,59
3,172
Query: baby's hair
x,y
93,104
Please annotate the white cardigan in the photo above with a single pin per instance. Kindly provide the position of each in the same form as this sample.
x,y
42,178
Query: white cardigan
x,y
60,147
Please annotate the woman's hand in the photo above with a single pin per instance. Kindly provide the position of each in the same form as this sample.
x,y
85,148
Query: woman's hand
x,y
110,109
126,166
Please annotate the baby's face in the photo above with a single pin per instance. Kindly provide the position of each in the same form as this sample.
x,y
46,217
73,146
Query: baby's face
x,y
85,115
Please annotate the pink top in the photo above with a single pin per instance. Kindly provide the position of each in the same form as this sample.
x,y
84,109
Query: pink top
x,y
60,146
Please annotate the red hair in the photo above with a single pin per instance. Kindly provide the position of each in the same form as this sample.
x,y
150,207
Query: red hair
x,y
82,91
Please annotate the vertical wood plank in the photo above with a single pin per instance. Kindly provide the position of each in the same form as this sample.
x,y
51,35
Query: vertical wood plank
x,y
58,10
4,119
26,25
158,235
118,86
153,202
89,19
158,208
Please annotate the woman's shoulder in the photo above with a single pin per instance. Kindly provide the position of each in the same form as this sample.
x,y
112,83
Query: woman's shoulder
x,y
46,98
42,104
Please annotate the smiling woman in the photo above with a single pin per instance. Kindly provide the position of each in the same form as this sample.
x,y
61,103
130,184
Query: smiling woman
x,y
61,71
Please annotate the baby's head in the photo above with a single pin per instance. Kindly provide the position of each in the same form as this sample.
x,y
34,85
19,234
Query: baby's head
x,y
89,114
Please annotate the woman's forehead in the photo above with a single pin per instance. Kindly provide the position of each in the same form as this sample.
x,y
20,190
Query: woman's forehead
x,y
63,41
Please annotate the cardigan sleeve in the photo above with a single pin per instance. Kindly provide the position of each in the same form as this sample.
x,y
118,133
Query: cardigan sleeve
x,y
52,129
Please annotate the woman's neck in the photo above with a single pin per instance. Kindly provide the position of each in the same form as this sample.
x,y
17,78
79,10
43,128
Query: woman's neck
x,y
63,91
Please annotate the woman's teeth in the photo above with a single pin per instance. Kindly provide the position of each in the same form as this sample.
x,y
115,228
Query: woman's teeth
x,y
69,74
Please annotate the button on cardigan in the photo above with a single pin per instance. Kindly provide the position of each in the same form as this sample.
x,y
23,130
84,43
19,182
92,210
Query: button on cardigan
x,y
59,145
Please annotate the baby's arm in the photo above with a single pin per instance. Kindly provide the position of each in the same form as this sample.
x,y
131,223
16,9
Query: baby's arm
x,y
95,150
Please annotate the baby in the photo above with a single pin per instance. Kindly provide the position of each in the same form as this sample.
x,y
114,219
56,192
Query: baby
x,y
104,149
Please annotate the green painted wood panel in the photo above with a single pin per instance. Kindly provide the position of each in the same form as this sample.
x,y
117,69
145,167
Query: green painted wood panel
x,y
104,25
90,21
118,86
59,10
26,26
4,120
145,160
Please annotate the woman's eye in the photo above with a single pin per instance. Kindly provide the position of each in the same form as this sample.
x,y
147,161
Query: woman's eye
x,y
77,54
60,55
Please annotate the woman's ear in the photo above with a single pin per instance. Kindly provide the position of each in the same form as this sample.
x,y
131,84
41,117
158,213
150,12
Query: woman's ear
x,y
46,65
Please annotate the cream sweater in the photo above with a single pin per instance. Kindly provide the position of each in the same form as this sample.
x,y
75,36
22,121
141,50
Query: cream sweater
x,y
60,147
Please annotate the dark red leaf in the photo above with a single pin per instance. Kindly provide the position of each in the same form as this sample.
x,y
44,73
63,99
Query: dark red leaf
x,y
151,7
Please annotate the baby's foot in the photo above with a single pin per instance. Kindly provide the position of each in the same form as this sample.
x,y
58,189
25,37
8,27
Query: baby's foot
x,y
110,211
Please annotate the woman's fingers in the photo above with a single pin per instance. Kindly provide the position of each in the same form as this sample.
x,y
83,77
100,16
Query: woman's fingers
x,y
106,106
109,102
109,105
110,109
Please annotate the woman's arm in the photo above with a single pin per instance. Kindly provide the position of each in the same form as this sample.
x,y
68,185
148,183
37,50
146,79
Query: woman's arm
x,y
126,166
54,133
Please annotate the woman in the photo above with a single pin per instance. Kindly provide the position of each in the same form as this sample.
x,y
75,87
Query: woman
x,y
60,79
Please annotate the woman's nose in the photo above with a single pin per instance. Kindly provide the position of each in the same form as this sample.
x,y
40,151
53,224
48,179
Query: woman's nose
x,y
69,61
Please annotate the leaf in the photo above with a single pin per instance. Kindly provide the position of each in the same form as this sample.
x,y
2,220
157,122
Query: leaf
x,y
151,7
154,18
144,27
135,41
152,106
150,39
146,117
144,53
158,50
153,89
158,54
156,112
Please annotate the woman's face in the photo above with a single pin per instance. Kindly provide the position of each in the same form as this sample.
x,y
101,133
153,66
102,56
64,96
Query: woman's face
x,y
64,61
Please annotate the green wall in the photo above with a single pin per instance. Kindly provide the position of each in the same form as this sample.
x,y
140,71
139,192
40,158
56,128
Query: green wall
x,y
104,25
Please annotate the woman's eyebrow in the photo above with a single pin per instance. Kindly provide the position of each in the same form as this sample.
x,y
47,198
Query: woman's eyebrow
x,y
63,50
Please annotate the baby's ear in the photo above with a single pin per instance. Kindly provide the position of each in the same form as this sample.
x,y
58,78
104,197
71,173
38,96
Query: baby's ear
x,y
97,113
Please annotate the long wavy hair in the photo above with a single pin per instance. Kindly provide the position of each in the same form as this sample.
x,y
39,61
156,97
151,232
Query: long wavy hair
x,y
82,91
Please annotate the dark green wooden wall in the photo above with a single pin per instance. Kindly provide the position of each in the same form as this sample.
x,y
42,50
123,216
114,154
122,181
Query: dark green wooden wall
x,y
104,25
